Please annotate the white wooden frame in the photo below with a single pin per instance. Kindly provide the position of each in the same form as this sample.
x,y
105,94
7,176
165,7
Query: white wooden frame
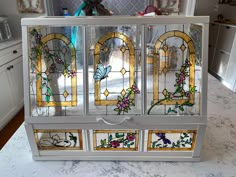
x,y
140,122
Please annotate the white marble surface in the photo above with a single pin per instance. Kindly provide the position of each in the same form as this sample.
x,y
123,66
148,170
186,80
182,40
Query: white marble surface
x,y
6,44
218,152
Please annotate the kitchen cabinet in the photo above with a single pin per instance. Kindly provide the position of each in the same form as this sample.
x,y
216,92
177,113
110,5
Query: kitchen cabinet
x,y
11,79
222,60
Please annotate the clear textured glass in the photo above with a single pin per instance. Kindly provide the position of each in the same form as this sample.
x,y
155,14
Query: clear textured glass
x,y
56,71
114,70
173,70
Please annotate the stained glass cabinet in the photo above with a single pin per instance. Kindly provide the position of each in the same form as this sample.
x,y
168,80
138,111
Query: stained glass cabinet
x,y
115,88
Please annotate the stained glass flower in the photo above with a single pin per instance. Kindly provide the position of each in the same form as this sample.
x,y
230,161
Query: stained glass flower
x,y
130,137
115,144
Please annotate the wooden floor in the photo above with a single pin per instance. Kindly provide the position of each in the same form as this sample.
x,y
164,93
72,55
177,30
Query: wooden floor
x,y
11,127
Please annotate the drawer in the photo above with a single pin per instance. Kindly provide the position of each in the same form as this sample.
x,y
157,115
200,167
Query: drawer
x,y
226,38
214,29
10,53
220,63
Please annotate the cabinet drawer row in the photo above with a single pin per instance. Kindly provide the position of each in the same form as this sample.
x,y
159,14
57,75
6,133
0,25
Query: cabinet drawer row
x,y
115,140
10,53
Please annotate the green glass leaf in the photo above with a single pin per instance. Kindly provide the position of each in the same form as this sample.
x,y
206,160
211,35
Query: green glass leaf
x,y
47,98
129,89
169,110
38,75
181,108
154,144
103,142
177,74
192,89
117,110
117,135
132,143
178,89
110,138
49,91
176,105
188,104
119,98
43,85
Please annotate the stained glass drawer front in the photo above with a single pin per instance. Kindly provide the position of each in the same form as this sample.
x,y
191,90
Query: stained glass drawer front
x,y
115,140
170,140
59,139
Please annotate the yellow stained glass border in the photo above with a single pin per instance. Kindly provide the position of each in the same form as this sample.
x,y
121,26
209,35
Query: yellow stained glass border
x,y
156,61
151,132
58,131
95,132
102,40
73,101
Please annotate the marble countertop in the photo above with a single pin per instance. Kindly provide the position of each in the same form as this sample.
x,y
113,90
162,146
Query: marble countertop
x,y
218,152
6,44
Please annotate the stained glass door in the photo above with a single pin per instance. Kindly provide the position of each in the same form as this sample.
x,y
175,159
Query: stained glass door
x,y
56,74
173,72
114,70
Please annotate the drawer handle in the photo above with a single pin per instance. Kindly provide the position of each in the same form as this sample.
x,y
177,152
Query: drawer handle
x,y
227,27
110,123
10,67
14,51
222,52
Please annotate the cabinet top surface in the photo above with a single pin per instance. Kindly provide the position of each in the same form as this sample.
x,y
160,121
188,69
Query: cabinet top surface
x,y
113,20
6,44
233,24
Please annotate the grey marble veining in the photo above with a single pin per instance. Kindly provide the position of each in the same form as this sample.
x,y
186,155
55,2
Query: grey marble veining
x,y
218,152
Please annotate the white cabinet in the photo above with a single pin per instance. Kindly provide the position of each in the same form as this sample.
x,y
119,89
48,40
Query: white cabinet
x,y
222,60
11,79
118,105
226,38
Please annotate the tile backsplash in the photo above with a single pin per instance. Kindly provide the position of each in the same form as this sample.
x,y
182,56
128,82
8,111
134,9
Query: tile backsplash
x,y
118,7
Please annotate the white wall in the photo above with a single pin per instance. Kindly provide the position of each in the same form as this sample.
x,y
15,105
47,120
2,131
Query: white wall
x,y
9,8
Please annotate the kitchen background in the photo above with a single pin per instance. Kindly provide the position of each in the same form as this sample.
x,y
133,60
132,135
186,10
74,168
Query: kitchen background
x,y
54,7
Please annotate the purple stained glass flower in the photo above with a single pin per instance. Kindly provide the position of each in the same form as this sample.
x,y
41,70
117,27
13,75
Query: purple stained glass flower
x,y
162,136
115,144
181,78
59,60
187,94
123,104
46,48
130,137
72,74
187,63
135,89
37,38
171,95
53,67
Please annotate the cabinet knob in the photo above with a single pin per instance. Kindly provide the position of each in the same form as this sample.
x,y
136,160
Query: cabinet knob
x,y
14,51
227,27
10,67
